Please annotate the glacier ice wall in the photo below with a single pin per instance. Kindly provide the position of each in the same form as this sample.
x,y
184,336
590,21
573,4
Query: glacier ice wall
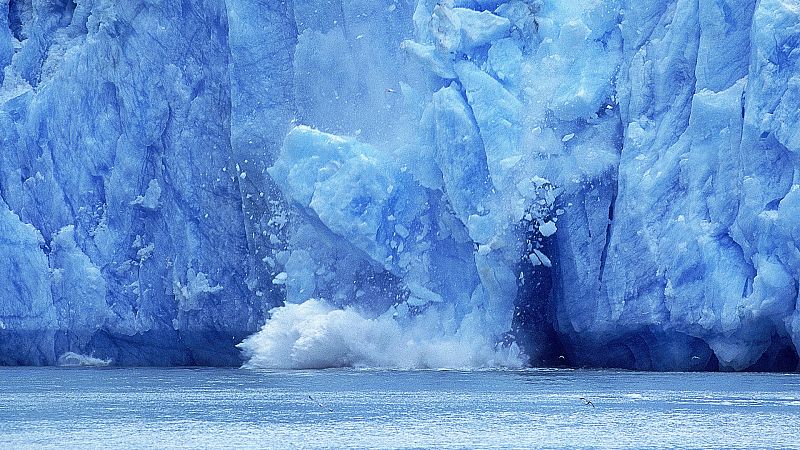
x,y
125,226
429,183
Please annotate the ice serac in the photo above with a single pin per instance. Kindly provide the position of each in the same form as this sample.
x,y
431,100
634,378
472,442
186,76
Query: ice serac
x,y
401,183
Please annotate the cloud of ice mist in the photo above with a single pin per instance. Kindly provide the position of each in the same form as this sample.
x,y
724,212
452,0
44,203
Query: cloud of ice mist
x,y
316,335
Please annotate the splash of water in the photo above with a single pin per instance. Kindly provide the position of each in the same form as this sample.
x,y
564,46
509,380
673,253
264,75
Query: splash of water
x,y
314,335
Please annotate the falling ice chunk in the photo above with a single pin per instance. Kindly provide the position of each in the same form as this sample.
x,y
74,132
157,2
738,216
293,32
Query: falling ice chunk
x,y
280,278
547,229
401,230
539,259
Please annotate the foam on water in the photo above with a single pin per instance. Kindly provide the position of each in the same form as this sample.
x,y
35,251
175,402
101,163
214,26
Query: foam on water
x,y
315,334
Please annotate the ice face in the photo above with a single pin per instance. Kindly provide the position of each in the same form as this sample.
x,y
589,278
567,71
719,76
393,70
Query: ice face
x,y
678,261
117,153
603,183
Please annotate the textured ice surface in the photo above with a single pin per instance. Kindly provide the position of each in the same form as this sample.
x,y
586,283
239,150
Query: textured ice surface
x,y
119,185
602,183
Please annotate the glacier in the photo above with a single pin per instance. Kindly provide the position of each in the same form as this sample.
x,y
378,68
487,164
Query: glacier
x,y
397,183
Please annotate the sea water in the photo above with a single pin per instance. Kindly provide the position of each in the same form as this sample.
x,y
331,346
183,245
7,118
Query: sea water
x,y
236,408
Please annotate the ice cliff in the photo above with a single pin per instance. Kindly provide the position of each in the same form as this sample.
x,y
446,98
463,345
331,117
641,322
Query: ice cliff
x,y
453,183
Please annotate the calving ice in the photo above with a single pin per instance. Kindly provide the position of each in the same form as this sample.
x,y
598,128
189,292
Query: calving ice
x,y
402,184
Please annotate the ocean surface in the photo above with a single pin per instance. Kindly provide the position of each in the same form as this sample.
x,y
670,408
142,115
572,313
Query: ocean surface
x,y
237,408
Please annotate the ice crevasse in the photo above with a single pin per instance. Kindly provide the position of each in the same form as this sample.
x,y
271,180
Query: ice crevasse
x,y
401,184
